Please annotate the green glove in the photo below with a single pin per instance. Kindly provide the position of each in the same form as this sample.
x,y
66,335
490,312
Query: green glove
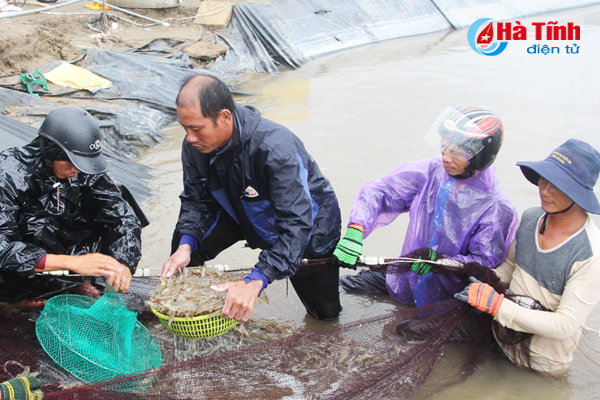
x,y
423,268
21,388
348,249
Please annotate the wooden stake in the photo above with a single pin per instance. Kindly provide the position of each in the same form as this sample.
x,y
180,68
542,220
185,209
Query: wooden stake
x,y
104,15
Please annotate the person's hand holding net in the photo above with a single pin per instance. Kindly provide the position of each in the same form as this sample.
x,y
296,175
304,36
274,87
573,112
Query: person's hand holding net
x,y
348,248
481,296
423,267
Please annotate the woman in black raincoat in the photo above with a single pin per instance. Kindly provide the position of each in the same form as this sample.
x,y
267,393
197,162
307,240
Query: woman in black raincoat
x,y
60,211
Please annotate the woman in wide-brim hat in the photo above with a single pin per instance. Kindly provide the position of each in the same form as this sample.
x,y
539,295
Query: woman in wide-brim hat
x,y
555,259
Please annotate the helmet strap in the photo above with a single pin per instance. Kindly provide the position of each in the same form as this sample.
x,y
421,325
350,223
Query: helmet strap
x,y
50,153
469,171
45,158
543,227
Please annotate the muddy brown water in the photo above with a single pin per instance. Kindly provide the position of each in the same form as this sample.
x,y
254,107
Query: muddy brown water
x,y
363,112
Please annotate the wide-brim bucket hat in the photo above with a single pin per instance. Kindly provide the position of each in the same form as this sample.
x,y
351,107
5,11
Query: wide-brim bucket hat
x,y
573,168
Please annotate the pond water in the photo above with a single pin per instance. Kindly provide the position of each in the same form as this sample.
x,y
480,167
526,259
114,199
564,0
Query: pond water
x,y
363,112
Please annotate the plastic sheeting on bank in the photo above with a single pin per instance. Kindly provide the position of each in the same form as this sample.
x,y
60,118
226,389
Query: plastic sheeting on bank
x,y
263,37
290,33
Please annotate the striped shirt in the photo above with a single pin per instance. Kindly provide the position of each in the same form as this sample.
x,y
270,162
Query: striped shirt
x,y
564,279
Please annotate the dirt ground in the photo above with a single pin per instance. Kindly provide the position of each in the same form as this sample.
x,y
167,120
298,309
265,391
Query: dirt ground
x,y
30,41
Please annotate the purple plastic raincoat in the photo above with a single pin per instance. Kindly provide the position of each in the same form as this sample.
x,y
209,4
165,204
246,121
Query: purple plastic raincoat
x,y
470,220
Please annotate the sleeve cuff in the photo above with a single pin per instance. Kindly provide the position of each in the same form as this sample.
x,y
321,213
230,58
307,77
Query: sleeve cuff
x,y
41,264
506,313
190,241
257,275
357,227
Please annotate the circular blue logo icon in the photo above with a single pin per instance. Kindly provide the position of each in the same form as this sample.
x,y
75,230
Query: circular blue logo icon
x,y
482,39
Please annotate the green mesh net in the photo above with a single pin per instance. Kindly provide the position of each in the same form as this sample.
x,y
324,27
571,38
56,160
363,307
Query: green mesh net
x,y
96,339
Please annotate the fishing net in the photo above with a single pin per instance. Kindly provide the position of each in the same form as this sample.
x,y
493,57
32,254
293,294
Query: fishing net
x,y
398,352
19,345
96,339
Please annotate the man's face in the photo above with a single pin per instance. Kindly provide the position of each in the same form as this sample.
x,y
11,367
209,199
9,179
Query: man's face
x,y
454,159
553,199
64,169
201,132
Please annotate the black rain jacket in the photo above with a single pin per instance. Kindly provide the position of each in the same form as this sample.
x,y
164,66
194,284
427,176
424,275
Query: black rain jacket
x,y
271,187
91,216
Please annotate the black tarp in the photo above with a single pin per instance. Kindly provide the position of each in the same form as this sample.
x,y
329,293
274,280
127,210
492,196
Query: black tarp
x,y
132,113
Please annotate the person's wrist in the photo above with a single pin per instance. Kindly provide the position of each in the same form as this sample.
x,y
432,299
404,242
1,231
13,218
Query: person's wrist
x,y
354,234
185,248
496,304
257,283
357,227
256,275
55,262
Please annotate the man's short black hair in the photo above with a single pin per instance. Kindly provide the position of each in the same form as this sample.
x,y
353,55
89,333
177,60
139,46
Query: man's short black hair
x,y
213,95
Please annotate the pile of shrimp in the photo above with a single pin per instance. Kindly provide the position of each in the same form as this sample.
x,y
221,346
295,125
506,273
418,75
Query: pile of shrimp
x,y
188,294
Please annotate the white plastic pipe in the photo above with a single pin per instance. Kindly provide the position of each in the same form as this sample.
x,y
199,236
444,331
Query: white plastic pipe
x,y
17,14
163,23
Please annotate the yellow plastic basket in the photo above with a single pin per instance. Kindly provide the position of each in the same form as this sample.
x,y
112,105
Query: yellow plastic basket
x,y
201,327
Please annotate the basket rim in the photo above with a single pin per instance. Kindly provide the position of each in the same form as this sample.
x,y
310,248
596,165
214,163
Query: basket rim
x,y
42,322
185,319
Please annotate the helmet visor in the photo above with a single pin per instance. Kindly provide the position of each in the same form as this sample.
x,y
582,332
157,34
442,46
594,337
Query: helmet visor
x,y
455,134
89,165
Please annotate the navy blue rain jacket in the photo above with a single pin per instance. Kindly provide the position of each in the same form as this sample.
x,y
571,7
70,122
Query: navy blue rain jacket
x,y
271,186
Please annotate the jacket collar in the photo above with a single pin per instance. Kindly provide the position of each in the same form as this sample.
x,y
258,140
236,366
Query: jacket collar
x,y
235,139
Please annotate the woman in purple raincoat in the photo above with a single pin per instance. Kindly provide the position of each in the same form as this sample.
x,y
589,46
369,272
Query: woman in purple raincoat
x,y
456,205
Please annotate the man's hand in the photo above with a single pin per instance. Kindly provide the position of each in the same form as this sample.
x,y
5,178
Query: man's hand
x,y
481,296
22,388
348,249
241,298
177,262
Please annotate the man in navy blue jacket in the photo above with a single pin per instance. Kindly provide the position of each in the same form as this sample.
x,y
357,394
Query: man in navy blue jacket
x,y
248,178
